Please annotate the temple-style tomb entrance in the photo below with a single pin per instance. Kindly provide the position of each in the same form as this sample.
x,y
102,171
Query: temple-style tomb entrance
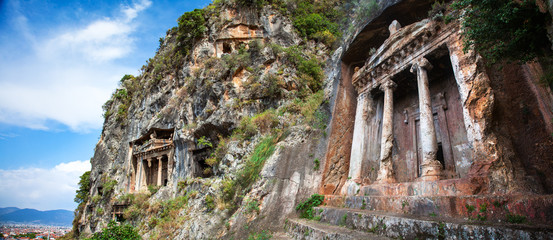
x,y
152,159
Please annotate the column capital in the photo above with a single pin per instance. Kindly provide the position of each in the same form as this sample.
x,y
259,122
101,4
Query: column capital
x,y
421,63
388,83
363,95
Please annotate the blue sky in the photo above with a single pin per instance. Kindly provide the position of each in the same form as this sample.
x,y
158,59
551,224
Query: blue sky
x,y
59,62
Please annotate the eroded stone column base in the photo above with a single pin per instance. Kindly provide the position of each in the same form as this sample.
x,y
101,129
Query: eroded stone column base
x,y
351,187
386,174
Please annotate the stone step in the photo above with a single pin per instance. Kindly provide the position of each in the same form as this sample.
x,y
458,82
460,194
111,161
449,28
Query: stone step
x,y
281,236
402,226
495,208
448,187
309,229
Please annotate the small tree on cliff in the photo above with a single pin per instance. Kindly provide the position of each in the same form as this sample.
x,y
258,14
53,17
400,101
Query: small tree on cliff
x,y
84,188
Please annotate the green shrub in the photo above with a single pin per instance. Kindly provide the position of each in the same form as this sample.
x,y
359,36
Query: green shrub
x,y
343,220
166,218
246,129
305,208
121,94
122,112
309,109
250,173
515,218
204,142
263,235
263,150
181,185
309,69
171,208
252,206
311,24
209,202
153,189
141,199
132,212
96,199
265,121
503,29
469,208
325,36
99,211
106,107
438,10
115,232
251,3
241,58
229,189
153,222
273,86
191,28
126,198
316,164
219,153
108,186
317,20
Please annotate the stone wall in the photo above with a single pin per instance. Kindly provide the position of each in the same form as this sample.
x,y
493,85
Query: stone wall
x,y
475,131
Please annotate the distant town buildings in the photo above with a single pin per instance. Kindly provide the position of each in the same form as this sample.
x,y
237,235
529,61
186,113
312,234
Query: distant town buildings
x,y
19,231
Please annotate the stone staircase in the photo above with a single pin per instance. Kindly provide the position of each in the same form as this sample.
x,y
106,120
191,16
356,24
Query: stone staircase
x,y
441,210
310,229
347,223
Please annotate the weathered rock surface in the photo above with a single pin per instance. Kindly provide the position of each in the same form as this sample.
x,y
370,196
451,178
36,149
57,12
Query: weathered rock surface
x,y
487,143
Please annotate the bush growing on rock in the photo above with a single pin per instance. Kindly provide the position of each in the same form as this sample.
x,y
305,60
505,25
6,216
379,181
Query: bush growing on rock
x,y
265,121
116,232
191,27
305,208
504,29
317,21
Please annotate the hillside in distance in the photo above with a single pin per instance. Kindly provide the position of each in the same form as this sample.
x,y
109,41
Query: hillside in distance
x,y
33,216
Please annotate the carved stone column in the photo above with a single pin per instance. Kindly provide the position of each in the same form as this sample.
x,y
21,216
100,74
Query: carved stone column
x,y
149,172
431,168
358,147
170,164
159,170
140,173
386,171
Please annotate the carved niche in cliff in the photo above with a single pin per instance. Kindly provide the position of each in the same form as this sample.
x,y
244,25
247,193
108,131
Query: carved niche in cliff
x,y
152,159
409,119
232,36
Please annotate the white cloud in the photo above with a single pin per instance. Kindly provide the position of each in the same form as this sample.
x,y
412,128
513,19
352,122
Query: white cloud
x,y
43,189
132,12
102,40
66,77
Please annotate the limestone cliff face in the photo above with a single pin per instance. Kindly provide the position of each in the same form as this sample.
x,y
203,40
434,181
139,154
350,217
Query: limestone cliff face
x,y
240,67
223,138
